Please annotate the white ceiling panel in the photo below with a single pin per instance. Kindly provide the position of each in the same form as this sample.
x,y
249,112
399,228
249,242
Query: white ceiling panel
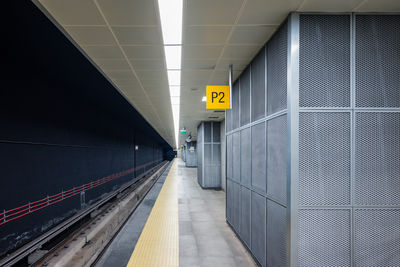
x,y
144,52
202,64
152,75
91,35
148,64
241,51
201,51
211,12
120,74
251,34
195,76
131,83
112,64
237,64
138,35
74,12
103,52
379,6
206,34
129,12
270,12
331,6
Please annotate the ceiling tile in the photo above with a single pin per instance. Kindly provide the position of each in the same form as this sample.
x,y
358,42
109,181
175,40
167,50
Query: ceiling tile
x,y
251,34
148,64
190,77
201,51
91,35
120,74
270,12
123,83
103,52
74,12
129,12
152,75
144,52
112,64
206,64
211,12
330,6
237,64
241,51
206,34
380,6
138,35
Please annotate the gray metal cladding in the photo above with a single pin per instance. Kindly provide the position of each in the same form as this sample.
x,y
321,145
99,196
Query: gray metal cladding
x,y
324,162
324,238
277,71
236,206
245,215
258,159
229,157
258,86
245,156
276,158
216,150
216,135
258,227
377,237
235,106
207,132
229,200
377,160
377,60
245,97
207,155
324,61
236,156
276,234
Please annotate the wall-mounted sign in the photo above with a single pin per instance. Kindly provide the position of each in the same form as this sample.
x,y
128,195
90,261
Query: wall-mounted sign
x,y
183,131
218,97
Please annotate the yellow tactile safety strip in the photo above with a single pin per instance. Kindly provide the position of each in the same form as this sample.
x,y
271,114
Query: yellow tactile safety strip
x,y
158,244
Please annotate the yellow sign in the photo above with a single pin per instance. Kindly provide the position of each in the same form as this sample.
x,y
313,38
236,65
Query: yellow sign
x,y
218,97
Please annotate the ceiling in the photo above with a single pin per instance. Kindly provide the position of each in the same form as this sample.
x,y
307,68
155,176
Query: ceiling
x,y
123,38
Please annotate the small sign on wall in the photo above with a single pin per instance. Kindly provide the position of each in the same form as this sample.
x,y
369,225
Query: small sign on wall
x,y
218,97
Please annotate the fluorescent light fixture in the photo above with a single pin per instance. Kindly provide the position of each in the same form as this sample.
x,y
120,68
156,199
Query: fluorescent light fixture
x,y
204,99
175,100
174,77
174,91
171,20
173,56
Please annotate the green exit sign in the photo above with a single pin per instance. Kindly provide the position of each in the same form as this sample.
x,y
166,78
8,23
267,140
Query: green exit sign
x,y
183,131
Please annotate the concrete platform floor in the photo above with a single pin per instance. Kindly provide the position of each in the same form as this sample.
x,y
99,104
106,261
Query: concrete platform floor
x,y
205,239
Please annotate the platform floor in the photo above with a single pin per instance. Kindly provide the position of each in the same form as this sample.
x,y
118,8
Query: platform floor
x,y
203,237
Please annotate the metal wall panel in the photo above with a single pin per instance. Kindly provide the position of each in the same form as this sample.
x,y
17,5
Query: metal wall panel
x,y
245,97
276,234
236,156
377,60
236,207
245,156
229,157
258,86
258,227
207,132
377,158
258,161
216,136
277,71
276,158
324,61
377,237
235,105
324,238
245,215
229,201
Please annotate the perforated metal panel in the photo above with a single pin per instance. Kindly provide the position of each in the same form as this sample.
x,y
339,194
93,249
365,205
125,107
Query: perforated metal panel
x,y
276,235
236,206
207,132
235,105
228,120
229,157
245,215
277,71
245,155
377,162
258,227
276,158
324,158
207,155
377,237
377,60
324,238
324,61
245,97
216,132
258,159
236,156
258,86
229,201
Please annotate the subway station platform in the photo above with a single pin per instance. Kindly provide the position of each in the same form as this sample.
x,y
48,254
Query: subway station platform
x,y
185,226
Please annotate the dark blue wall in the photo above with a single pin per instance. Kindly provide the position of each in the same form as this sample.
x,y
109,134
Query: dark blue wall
x,y
62,124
